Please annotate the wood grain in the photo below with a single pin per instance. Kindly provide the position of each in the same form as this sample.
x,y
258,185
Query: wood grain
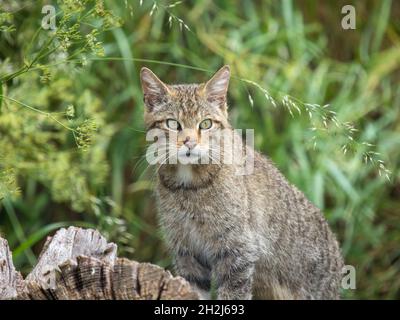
x,y
79,264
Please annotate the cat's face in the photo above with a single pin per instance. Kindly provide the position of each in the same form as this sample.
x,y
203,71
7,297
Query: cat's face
x,y
190,115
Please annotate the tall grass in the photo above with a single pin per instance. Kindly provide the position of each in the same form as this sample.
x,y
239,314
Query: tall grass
x,y
289,59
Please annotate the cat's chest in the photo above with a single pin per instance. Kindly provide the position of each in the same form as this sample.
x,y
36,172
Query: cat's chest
x,y
191,214
200,219
195,219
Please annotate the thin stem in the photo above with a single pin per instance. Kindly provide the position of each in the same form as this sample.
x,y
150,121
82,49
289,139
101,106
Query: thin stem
x,y
150,61
47,114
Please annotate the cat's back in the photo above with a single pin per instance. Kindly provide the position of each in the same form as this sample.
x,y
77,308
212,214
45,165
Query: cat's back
x,y
283,207
295,230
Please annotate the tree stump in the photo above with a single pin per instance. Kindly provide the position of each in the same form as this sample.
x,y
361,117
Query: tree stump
x,y
77,264
10,280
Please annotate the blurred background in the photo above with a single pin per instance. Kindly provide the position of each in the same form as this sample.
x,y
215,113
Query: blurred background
x,y
324,103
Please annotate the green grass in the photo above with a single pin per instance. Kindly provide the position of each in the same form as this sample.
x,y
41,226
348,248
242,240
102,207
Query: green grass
x,y
294,48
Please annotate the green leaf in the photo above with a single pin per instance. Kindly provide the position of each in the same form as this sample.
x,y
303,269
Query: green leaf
x,y
1,95
342,180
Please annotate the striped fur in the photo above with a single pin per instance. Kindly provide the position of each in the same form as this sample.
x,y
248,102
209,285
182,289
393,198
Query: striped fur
x,y
256,235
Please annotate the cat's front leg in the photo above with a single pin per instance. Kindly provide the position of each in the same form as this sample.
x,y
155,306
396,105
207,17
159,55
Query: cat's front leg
x,y
194,270
233,272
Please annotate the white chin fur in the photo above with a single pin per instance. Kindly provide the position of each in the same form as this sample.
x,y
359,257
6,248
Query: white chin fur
x,y
184,174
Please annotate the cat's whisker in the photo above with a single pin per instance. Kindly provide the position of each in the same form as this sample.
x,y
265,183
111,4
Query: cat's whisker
x,y
140,161
160,156
215,162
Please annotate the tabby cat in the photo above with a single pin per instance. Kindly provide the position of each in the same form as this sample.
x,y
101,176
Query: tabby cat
x,y
255,234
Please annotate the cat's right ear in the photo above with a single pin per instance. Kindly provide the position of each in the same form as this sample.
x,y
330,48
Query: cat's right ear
x,y
154,90
216,88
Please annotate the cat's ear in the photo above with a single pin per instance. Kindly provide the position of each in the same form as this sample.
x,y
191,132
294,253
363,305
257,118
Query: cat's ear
x,y
215,90
154,90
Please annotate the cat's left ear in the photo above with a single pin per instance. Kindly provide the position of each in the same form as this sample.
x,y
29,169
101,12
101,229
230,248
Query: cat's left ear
x,y
216,89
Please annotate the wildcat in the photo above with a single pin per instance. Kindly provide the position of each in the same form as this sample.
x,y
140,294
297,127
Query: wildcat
x,y
255,235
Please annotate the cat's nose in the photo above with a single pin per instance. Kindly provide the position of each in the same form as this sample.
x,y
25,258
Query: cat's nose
x,y
189,142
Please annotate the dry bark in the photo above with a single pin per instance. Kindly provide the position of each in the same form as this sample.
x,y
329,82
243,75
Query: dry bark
x,y
10,280
79,264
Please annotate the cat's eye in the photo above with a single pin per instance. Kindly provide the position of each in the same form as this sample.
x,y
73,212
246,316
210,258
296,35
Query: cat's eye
x,y
205,124
173,124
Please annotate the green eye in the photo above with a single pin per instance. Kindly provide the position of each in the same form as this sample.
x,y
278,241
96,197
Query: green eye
x,y
173,124
205,124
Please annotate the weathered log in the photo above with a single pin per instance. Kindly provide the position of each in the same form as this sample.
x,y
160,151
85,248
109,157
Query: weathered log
x,y
68,244
11,281
80,264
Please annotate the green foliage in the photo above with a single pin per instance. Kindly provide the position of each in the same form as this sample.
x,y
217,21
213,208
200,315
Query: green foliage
x,y
324,103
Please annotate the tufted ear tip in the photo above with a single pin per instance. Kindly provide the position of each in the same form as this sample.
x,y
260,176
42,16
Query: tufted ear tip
x,y
145,70
226,68
148,77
